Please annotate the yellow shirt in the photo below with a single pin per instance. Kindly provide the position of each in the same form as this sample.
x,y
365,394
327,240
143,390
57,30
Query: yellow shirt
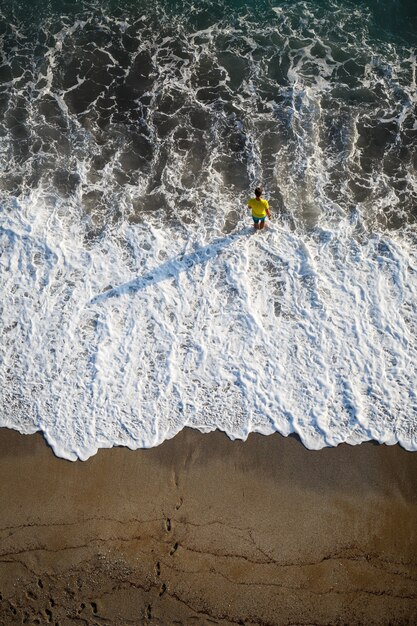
x,y
259,207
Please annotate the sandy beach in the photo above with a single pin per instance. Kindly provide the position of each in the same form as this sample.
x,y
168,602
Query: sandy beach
x,y
203,530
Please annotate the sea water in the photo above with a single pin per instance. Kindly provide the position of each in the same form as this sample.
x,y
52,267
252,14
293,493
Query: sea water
x,y
135,297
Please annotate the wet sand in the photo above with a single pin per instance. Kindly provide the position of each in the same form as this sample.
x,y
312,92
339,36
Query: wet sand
x,y
203,531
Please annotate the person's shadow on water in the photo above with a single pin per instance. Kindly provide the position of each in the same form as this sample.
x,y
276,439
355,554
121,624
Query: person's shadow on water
x,y
171,268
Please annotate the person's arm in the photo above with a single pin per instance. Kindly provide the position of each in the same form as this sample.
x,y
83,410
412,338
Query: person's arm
x,y
268,211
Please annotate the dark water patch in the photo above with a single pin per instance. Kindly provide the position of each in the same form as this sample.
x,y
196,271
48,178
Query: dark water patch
x,y
360,95
278,68
6,74
66,182
120,95
235,66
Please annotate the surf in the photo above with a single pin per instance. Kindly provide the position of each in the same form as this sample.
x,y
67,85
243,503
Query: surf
x,y
136,298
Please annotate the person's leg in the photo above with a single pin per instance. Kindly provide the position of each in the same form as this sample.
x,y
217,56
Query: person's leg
x,y
255,223
262,224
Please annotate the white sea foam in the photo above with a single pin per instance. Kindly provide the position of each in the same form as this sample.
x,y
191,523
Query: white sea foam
x,y
154,330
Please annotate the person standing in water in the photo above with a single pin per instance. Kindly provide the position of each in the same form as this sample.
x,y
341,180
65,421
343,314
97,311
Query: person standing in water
x,y
260,209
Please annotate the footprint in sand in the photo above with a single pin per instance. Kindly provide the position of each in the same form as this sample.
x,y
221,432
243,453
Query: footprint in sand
x,y
162,590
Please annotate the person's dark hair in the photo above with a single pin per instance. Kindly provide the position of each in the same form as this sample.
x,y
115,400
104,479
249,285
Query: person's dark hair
x,y
258,192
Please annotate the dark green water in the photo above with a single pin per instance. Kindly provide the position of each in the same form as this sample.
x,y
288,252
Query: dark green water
x,y
387,19
330,76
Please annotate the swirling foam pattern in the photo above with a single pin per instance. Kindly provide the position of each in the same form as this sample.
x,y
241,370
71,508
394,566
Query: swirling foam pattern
x,y
135,298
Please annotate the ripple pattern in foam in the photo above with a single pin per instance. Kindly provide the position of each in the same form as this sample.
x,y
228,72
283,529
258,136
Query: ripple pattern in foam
x,y
273,331
135,298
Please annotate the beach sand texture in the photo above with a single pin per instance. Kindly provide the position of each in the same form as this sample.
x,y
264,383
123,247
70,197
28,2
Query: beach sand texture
x,y
202,530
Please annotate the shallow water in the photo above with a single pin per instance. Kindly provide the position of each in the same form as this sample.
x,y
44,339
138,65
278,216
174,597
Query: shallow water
x,y
135,297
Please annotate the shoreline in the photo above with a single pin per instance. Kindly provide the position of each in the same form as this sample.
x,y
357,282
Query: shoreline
x,y
204,530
